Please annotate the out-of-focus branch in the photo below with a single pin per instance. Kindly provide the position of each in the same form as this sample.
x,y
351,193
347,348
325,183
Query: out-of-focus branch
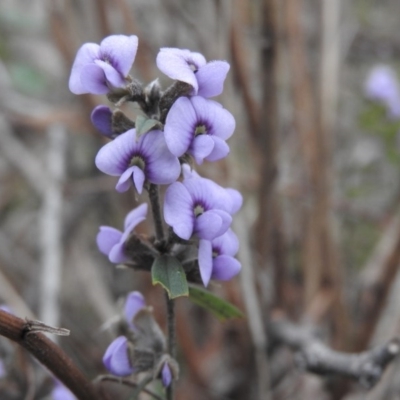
x,y
51,225
49,354
376,279
19,156
253,308
314,356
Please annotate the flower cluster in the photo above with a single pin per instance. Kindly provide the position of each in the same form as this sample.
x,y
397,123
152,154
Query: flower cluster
x,y
176,127
144,347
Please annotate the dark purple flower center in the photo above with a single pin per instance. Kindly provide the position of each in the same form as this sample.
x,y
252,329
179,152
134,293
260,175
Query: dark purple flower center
x,y
138,161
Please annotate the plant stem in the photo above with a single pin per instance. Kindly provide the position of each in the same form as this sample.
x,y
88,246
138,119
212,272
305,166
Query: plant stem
x,y
158,224
156,210
171,339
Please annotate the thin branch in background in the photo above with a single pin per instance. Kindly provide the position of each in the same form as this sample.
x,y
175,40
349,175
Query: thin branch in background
x,y
51,226
253,308
314,356
11,297
127,382
376,278
21,158
49,354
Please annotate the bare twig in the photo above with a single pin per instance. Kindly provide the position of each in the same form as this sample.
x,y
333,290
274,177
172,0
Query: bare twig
x,y
49,354
314,356
127,382
253,309
51,221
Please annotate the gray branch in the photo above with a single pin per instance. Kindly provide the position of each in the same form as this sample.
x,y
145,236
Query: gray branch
x,y
315,356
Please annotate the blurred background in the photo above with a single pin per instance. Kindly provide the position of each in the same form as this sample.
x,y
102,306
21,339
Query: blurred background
x,y
316,154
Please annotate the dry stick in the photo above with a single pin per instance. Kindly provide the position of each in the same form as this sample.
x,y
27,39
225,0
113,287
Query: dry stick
x,y
21,157
376,279
320,258
49,354
314,356
127,382
253,309
51,226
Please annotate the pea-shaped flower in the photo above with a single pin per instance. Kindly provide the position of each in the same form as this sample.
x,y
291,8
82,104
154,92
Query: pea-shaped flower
x,y
199,127
117,358
206,78
111,241
198,206
138,160
97,69
216,257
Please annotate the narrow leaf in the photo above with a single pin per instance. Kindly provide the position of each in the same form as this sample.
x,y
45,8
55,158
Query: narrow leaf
x,y
144,125
221,308
169,273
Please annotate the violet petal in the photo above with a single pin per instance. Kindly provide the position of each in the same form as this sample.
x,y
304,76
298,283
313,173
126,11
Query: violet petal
x,y
133,304
85,55
124,182
205,261
166,375
162,167
219,151
138,178
116,357
225,268
178,210
93,79
211,78
107,238
209,225
120,51
114,157
179,126
102,119
201,147
113,77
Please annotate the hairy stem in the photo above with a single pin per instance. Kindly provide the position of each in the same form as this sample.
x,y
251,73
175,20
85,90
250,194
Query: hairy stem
x,y
156,210
171,338
49,354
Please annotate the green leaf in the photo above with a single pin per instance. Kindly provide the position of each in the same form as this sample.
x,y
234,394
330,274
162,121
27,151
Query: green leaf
x,y
144,125
221,308
169,273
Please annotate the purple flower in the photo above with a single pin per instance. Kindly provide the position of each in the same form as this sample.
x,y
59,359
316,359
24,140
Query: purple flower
x,y
98,69
111,241
138,159
206,78
133,304
60,392
197,206
229,199
116,358
166,375
199,127
216,258
382,86
102,119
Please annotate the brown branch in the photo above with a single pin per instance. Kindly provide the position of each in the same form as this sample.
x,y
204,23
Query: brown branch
x,y
49,354
315,356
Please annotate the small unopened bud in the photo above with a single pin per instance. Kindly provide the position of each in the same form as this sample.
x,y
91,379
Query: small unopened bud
x,y
167,370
